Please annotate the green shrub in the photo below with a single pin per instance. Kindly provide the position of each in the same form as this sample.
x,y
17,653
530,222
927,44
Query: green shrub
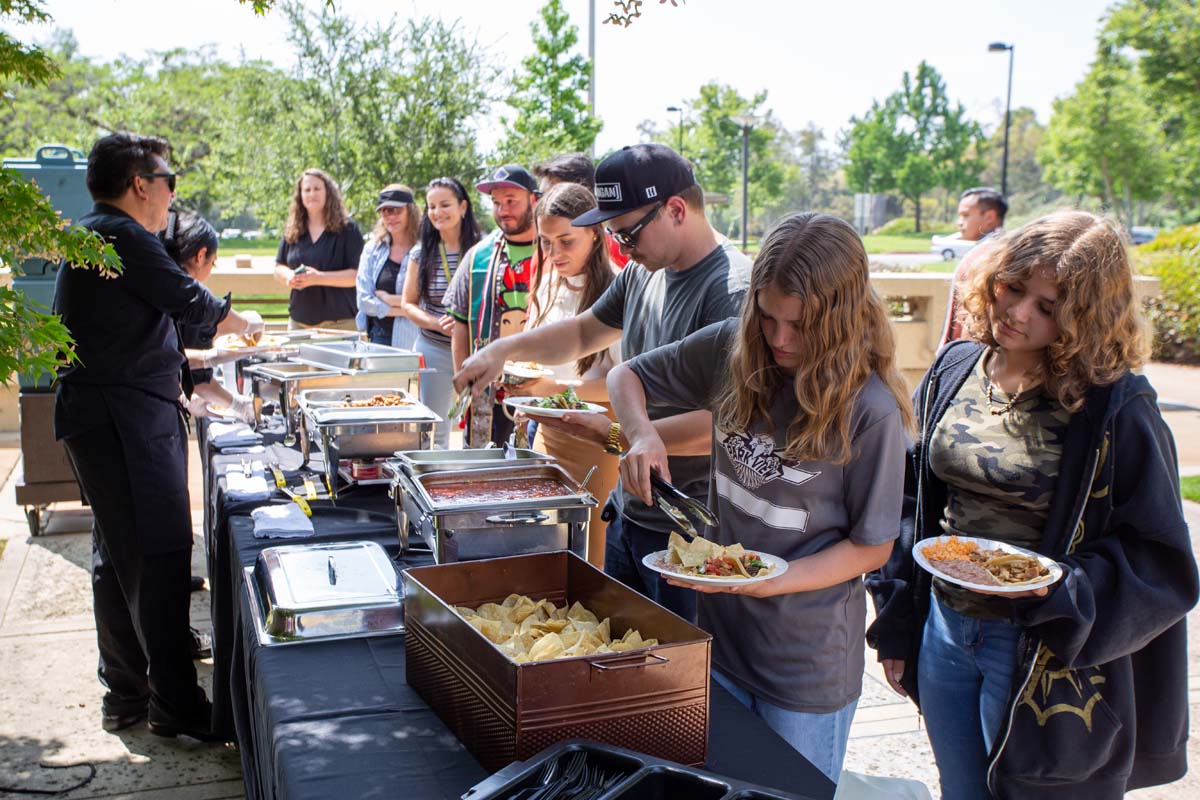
x,y
1174,258
905,226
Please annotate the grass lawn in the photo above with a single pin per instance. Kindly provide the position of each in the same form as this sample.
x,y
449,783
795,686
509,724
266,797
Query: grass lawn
x,y
905,243
267,308
263,246
1190,487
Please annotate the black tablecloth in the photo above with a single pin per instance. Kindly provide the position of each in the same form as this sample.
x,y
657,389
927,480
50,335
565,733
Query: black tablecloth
x,y
337,719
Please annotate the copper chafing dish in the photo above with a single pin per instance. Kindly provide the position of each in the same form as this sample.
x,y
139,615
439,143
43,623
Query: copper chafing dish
x,y
653,700
483,513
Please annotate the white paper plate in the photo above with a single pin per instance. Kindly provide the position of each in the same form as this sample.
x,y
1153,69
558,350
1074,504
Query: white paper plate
x,y
529,406
219,412
657,561
523,371
1056,571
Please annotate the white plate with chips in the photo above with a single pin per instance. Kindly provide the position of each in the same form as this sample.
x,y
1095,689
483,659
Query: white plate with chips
x,y
526,370
658,562
1053,567
529,406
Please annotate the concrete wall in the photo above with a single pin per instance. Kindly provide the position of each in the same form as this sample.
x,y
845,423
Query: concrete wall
x,y
917,333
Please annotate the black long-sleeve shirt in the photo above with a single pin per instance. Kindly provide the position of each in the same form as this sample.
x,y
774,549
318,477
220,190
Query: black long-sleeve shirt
x,y
124,327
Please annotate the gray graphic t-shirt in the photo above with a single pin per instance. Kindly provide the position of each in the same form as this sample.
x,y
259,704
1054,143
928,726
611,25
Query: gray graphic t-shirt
x,y
800,651
660,307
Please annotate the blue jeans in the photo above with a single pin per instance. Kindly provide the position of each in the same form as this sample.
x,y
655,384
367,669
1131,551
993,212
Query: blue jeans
x,y
965,674
625,545
821,738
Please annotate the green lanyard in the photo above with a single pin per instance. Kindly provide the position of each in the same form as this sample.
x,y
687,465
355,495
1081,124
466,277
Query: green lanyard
x,y
445,263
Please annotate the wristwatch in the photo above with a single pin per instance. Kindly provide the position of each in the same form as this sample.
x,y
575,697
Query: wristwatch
x,y
613,443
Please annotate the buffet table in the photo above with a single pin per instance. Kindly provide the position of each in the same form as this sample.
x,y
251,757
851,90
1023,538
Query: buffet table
x,y
338,718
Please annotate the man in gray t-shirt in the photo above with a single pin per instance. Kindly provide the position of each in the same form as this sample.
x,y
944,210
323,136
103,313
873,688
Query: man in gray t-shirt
x,y
681,278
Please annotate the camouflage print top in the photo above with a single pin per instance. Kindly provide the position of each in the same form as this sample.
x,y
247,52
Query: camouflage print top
x,y
999,470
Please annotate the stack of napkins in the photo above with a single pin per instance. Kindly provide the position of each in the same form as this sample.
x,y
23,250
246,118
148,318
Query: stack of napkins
x,y
281,522
240,487
232,434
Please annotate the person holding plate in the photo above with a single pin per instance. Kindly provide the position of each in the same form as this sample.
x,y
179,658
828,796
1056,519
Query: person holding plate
x,y
579,270
809,418
1036,433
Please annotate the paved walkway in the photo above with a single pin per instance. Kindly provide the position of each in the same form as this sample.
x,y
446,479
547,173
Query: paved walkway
x,y
51,698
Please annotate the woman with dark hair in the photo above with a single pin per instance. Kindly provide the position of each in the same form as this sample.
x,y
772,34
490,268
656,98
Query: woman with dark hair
x,y
318,255
381,270
810,416
1037,432
574,271
448,229
192,244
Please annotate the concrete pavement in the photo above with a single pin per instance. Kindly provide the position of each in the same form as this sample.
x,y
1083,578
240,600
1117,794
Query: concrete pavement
x,y
51,698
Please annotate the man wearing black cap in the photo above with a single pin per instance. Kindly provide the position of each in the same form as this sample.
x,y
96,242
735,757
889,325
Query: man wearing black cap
x,y
489,298
681,278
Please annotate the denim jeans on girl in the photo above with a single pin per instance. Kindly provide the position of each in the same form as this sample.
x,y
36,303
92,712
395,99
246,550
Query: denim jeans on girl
x,y
965,675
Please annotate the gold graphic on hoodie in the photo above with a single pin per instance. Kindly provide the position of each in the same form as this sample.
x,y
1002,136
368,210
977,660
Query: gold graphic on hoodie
x,y
1044,681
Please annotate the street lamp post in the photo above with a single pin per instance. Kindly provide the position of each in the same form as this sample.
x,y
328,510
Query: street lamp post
x,y
680,128
746,122
1000,47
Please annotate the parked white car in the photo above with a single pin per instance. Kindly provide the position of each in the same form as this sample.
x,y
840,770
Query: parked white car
x,y
950,247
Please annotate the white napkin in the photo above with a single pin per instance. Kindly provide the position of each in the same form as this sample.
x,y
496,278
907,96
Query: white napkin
x,y
232,434
239,487
281,522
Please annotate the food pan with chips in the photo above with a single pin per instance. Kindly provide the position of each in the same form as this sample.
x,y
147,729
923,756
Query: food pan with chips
x,y
492,517
615,772
652,699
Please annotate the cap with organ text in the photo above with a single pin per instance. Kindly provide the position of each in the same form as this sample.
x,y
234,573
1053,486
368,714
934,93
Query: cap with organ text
x,y
635,176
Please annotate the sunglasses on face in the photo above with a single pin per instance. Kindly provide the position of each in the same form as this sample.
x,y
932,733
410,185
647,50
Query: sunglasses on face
x,y
170,176
627,237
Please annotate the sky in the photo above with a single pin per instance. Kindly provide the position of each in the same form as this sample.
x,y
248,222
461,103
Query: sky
x,y
820,61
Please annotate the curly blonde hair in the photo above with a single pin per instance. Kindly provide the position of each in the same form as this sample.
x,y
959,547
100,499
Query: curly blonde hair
x,y
1100,332
845,337
336,216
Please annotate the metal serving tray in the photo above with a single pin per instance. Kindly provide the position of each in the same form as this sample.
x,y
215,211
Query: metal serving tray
x,y
360,356
653,700
466,531
418,462
318,592
325,406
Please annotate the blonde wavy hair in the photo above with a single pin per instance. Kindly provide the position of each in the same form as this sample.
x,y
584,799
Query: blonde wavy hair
x,y
844,337
412,218
1100,332
336,216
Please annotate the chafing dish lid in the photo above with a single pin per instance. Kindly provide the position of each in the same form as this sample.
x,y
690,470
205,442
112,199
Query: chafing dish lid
x,y
324,576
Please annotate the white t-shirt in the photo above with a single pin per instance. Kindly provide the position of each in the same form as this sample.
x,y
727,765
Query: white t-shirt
x,y
565,305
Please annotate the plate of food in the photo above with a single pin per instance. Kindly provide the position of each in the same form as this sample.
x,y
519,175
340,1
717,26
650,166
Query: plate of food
x,y
556,405
975,563
219,411
235,341
703,561
526,370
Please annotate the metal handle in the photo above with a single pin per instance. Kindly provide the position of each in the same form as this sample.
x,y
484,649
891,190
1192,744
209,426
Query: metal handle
x,y
657,661
517,518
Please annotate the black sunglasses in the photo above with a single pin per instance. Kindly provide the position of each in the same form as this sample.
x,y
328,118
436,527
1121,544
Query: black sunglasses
x,y
627,237
170,176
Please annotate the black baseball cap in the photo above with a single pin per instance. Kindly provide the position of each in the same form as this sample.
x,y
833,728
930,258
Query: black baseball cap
x,y
513,176
634,176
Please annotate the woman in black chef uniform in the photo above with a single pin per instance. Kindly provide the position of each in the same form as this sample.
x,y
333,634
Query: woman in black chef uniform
x,y
118,413
318,256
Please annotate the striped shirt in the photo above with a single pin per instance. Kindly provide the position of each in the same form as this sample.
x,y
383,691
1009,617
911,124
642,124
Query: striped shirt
x,y
433,293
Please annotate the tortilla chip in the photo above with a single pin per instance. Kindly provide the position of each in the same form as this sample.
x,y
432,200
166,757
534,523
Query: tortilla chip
x,y
578,612
549,646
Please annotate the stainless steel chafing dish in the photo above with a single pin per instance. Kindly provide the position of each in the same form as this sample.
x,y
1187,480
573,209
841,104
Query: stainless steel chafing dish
x,y
418,462
314,592
361,432
282,382
359,356
463,530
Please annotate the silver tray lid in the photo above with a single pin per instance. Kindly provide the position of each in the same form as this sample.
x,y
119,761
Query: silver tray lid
x,y
288,370
360,356
416,462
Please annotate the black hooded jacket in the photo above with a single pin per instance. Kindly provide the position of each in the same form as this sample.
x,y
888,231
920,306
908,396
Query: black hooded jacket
x,y
1100,704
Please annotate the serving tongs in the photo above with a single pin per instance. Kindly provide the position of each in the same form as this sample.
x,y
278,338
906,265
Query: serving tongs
x,y
679,507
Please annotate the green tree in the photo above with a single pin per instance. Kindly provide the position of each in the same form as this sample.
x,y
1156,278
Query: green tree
x,y
1165,38
32,340
913,142
810,173
1102,140
549,95
1024,138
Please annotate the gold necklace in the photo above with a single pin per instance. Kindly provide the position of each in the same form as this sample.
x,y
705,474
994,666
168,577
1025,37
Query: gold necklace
x,y
1012,400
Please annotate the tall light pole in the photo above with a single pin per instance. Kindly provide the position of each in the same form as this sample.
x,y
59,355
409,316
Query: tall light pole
x,y
746,121
1000,47
592,64
680,110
